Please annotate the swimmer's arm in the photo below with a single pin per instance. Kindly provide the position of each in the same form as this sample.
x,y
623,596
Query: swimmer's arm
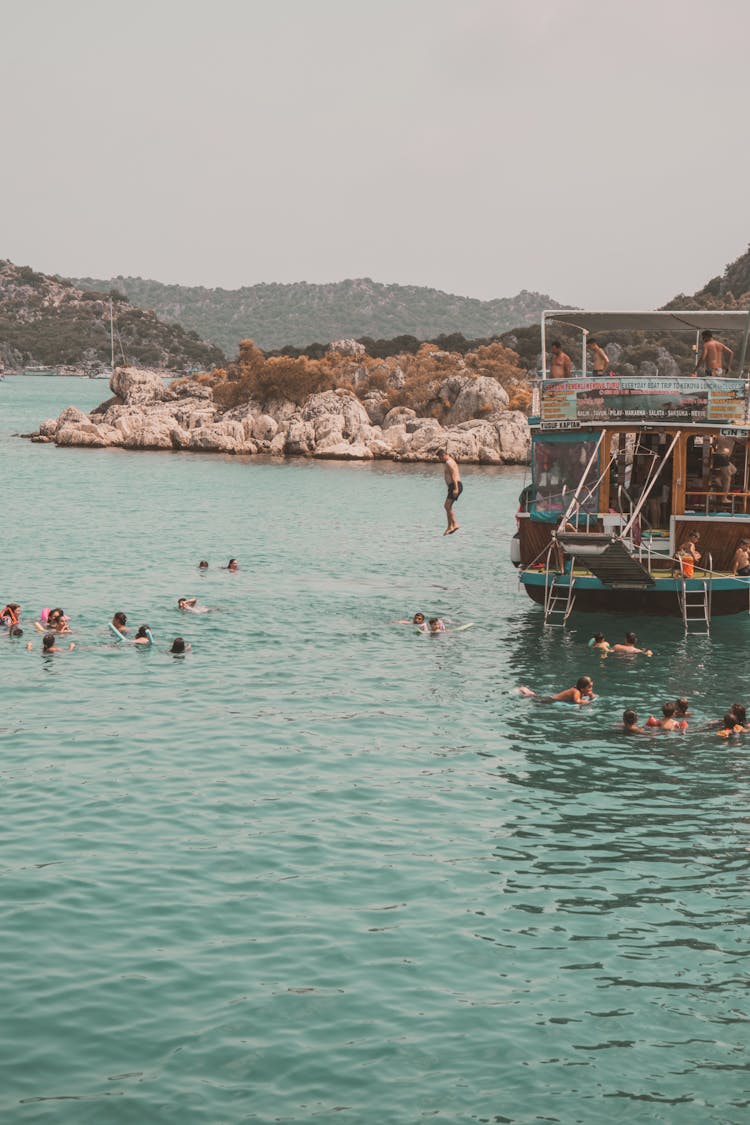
x,y
39,627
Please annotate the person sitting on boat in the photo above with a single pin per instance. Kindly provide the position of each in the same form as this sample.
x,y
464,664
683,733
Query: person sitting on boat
x,y
741,560
631,646
599,358
583,692
668,720
599,641
711,358
630,723
687,556
559,364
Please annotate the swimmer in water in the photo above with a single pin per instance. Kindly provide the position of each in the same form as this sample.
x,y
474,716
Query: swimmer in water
x,y
682,708
729,726
668,720
232,565
582,693
630,723
437,625
142,636
10,614
15,631
418,619
599,641
179,647
192,605
48,645
740,714
630,646
120,622
203,565
56,622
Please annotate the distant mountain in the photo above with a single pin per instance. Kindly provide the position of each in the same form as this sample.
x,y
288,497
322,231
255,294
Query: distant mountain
x,y
48,321
300,314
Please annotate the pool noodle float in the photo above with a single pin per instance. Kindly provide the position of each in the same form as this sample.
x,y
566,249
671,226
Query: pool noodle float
x,y
120,636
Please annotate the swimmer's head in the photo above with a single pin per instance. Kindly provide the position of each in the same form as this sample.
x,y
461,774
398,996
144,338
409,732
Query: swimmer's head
x,y
729,721
16,631
598,638
203,565
181,603
668,709
434,624
178,645
418,619
629,718
143,631
681,706
119,620
738,710
585,683
48,642
630,638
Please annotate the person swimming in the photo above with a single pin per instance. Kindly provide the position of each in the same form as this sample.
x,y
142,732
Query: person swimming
x,y
630,646
192,605
232,565
10,614
668,720
179,647
630,723
729,726
599,641
436,625
143,636
582,693
203,565
49,646
54,622
120,622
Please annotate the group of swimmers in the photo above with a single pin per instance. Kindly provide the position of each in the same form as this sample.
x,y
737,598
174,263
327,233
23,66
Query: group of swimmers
x,y
673,712
53,623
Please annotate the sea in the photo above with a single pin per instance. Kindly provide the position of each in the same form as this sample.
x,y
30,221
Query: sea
x,y
325,868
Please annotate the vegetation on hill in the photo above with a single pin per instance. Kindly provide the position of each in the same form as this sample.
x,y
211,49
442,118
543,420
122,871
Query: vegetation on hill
x,y
49,322
411,379
277,315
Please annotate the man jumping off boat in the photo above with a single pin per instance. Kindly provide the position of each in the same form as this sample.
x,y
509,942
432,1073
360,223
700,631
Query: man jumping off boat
x,y
455,488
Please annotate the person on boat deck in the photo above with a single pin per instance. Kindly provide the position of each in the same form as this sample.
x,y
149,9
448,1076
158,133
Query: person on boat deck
x,y
668,720
689,549
712,355
583,692
559,364
599,358
741,560
722,469
630,646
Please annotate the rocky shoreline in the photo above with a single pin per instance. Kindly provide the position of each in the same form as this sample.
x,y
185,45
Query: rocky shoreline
x,y
145,413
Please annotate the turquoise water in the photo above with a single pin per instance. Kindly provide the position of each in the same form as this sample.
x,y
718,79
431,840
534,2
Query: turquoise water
x,y
323,868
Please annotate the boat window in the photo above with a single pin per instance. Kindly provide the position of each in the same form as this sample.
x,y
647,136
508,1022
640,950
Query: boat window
x,y
558,466
717,474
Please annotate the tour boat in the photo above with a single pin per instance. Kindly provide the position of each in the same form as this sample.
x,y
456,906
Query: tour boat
x,y
625,469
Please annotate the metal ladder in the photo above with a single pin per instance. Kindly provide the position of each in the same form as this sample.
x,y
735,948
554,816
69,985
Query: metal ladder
x,y
695,604
558,600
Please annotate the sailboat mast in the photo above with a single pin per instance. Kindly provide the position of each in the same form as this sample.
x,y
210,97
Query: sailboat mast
x,y
111,335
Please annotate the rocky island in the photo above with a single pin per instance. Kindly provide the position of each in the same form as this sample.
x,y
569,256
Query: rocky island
x,y
243,410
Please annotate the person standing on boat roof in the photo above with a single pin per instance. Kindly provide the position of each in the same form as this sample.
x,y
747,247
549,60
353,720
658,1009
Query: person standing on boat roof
x,y
559,364
599,358
711,357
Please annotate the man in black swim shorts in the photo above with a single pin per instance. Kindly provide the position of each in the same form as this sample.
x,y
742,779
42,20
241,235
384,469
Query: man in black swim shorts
x,y
455,488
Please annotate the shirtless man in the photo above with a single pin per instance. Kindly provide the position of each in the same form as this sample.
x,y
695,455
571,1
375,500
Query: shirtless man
x,y
559,364
721,466
599,358
582,693
631,646
711,357
741,560
455,488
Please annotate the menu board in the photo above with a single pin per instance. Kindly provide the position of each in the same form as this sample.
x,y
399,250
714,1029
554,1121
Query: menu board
x,y
567,403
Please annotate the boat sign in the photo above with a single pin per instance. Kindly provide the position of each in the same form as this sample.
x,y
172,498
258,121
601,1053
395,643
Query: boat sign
x,y
734,431
560,426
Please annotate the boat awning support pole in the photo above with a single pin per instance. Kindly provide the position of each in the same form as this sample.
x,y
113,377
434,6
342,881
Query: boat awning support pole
x,y
647,492
544,346
743,350
573,503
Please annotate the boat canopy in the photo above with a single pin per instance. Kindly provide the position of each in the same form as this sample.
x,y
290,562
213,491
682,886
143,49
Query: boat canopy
x,y
678,320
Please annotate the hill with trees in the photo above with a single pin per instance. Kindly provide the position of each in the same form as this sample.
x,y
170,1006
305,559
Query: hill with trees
x,y
46,321
275,315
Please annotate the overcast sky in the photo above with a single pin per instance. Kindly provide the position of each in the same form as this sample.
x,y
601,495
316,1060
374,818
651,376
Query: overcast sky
x,y
589,149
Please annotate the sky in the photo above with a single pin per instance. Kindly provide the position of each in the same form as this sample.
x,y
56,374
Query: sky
x,y
591,150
